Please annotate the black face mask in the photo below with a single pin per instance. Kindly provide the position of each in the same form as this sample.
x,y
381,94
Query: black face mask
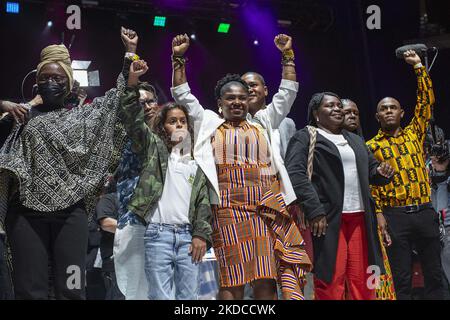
x,y
52,93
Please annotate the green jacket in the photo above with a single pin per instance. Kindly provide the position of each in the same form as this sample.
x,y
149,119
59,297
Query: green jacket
x,y
153,155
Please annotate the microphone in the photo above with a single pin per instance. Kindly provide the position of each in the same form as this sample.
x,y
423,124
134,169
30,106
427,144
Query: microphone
x,y
419,48
71,41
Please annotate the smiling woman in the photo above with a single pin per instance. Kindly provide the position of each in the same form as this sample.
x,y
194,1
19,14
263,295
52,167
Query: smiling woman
x,y
255,239
336,200
325,112
232,98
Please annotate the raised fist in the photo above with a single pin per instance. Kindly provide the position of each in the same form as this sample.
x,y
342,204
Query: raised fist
x,y
411,57
283,42
138,68
180,44
130,39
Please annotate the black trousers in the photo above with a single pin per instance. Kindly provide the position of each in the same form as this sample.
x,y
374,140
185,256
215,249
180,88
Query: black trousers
x,y
112,289
422,230
95,285
35,238
6,292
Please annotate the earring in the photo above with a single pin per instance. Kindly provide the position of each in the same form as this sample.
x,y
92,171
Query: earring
x,y
317,120
220,109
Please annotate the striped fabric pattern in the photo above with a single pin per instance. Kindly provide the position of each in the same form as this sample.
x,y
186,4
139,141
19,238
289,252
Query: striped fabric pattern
x,y
386,290
292,260
253,235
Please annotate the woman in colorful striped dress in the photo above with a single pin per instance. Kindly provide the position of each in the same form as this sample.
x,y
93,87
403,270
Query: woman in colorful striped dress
x,y
255,239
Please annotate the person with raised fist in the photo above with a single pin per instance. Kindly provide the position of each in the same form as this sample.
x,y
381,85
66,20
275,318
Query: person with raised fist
x,y
405,203
255,239
171,197
52,166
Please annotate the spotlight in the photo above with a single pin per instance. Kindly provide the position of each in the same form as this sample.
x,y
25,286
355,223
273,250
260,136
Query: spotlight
x,y
50,23
256,42
193,36
159,21
223,28
12,7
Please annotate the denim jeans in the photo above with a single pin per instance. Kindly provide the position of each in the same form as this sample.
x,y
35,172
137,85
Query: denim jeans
x,y
129,261
445,260
169,269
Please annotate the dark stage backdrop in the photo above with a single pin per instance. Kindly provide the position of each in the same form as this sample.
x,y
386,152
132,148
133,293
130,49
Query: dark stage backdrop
x,y
346,57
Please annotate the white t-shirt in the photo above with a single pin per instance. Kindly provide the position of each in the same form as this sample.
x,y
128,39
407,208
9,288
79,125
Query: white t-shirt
x,y
173,206
352,189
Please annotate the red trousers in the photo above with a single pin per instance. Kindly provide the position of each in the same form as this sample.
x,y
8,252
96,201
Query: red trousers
x,y
351,263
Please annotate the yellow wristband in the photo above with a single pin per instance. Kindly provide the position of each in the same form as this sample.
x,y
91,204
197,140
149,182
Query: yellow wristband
x,y
132,56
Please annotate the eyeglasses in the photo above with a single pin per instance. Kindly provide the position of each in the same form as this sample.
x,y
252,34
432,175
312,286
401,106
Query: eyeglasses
x,y
45,78
148,101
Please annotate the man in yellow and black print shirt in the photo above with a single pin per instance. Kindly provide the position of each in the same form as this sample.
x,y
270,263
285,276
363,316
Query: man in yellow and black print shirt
x,y
405,204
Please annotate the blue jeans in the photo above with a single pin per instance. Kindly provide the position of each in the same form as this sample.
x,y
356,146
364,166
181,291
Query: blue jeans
x,y
168,263
445,260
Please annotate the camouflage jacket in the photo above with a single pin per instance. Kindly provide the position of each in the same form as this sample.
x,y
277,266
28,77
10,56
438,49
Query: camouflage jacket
x,y
153,156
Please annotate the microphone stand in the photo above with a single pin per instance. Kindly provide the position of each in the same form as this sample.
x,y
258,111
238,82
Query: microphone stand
x,y
426,62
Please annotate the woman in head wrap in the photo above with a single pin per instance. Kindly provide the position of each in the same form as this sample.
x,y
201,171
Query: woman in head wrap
x,y
51,169
337,200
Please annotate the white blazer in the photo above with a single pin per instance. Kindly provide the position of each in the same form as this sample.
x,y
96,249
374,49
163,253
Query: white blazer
x,y
206,122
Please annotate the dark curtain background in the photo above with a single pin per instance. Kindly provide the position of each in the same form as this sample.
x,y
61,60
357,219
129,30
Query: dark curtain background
x,y
344,57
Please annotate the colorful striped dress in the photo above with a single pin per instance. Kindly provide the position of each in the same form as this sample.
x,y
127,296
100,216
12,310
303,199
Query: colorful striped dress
x,y
386,290
254,237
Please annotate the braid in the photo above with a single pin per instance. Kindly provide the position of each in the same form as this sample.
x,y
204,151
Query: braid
x,y
228,79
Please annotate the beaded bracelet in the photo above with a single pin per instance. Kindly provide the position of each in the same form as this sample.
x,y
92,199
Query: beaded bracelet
x,y
179,61
287,56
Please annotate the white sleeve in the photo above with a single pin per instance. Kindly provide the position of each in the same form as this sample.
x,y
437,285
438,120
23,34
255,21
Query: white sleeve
x,y
281,103
183,96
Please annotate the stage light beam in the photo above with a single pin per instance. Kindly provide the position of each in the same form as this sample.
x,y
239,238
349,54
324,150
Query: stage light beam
x,y
256,42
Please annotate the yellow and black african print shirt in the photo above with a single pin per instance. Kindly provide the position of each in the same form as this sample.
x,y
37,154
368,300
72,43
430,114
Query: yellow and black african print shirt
x,y
405,154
